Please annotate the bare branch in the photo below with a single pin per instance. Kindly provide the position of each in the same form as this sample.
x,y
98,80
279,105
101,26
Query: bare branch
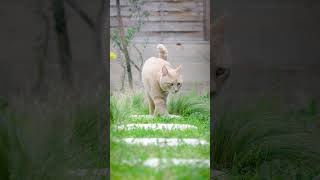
x,y
140,54
81,13
135,65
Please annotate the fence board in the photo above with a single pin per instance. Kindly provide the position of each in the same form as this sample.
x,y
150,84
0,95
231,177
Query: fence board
x,y
171,27
155,6
178,17
184,14
169,19
127,22
171,36
126,2
181,36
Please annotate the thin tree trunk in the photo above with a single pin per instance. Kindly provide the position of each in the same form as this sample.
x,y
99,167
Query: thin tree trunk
x,y
63,41
123,78
124,45
42,48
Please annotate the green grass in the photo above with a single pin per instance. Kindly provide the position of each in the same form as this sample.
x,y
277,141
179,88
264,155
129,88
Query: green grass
x,y
194,110
45,139
268,140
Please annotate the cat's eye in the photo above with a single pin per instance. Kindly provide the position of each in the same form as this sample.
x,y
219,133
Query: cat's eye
x,y
179,84
171,84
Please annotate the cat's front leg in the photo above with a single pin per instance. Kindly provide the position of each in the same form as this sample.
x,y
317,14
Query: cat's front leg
x,y
151,105
160,107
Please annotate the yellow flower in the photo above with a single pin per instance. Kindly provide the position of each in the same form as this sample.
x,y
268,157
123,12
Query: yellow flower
x,y
113,56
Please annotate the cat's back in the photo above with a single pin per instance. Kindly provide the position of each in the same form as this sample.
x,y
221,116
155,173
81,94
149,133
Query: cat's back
x,y
153,65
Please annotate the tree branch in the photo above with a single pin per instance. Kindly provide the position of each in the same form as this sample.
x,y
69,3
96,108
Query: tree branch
x,y
135,65
124,44
81,13
140,54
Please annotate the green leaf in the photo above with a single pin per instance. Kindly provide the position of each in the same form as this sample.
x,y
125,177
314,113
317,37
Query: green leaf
x,y
130,34
115,39
146,13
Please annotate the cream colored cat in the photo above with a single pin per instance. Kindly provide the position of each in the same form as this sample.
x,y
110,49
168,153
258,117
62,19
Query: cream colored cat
x,y
159,79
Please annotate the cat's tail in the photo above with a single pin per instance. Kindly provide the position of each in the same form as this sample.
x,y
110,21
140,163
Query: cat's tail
x,y
163,52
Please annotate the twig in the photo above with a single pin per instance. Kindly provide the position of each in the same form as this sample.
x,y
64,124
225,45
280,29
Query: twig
x,y
81,13
140,54
136,66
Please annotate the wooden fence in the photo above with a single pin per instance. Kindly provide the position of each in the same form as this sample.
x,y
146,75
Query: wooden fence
x,y
169,20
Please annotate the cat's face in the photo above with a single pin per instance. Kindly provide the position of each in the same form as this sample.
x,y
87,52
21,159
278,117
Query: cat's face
x,y
171,79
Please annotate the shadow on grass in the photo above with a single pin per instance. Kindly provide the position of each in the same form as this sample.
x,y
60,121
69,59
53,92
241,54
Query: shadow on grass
x,y
268,139
45,139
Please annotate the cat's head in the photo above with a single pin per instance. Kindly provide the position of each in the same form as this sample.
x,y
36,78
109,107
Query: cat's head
x,y
171,79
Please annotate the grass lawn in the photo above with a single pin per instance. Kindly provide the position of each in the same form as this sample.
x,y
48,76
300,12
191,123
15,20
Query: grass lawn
x,y
127,160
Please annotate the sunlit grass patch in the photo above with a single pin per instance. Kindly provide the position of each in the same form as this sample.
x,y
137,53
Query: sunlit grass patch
x,y
193,109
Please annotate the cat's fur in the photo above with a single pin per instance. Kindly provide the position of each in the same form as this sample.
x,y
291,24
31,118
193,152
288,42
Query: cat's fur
x,y
159,79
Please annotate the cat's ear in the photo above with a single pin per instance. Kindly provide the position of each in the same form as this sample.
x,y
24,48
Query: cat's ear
x,y
178,69
165,71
